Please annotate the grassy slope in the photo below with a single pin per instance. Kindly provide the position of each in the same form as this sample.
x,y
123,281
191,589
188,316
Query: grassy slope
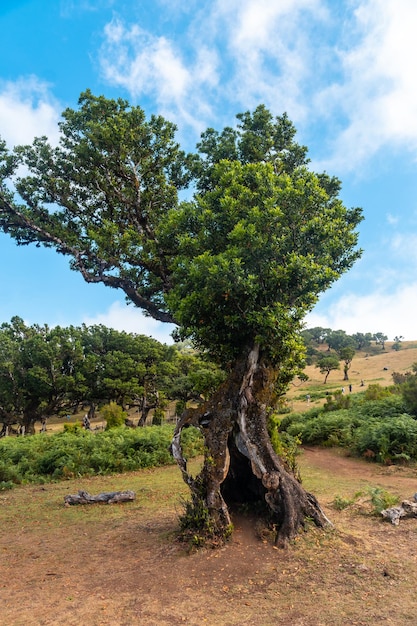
x,y
366,366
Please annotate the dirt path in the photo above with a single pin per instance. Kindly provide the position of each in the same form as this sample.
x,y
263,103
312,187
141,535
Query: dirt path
x,y
122,566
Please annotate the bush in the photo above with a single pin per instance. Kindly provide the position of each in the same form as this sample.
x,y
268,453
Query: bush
x,y
39,458
390,440
76,427
381,499
113,415
334,428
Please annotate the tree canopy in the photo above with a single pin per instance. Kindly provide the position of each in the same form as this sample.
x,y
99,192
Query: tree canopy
x,y
245,258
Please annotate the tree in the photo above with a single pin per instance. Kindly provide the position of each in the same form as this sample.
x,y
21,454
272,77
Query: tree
x,y
328,364
339,339
318,334
236,267
346,354
397,342
380,339
37,372
362,340
121,367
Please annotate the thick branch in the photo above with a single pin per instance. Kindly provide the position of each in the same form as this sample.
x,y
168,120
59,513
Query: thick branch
x,y
80,257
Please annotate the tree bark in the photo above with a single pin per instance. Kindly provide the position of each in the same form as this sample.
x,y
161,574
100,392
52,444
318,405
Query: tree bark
x,y
240,464
395,513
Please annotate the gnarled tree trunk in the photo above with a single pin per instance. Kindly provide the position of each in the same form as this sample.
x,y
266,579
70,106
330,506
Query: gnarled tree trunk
x,y
240,464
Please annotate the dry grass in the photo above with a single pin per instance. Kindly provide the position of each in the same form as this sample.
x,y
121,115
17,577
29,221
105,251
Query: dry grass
x,y
369,367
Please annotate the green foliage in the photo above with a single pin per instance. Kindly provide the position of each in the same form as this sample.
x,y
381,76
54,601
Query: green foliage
x,y
340,503
74,428
375,429
158,417
376,392
336,401
113,415
328,364
69,454
378,498
285,445
381,499
409,393
332,428
239,264
393,440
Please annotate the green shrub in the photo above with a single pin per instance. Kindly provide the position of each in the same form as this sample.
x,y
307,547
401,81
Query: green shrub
x,y
158,417
386,407
113,415
339,503
334,428
39,458
389,440
381,499
376,392
76,427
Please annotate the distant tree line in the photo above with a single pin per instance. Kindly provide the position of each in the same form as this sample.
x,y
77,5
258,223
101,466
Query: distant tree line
x,y
341,347
58,371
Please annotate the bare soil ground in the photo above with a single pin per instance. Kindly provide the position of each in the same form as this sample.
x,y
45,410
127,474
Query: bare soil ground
x,y
120,565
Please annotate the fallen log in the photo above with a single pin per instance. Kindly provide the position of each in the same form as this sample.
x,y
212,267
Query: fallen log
x,y
109,497
395,513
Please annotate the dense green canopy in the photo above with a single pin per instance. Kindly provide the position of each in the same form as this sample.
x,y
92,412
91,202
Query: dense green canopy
x,y
241,261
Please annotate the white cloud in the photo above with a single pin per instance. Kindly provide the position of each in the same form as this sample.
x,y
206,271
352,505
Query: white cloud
x,y
392,220
392,313
347,65
131,320
377,93
268,44
243,52
27,110
145,64
404,246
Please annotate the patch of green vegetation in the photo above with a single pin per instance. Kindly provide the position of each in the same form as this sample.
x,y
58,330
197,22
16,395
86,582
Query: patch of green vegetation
x,y
381,499
39,459
340,503
374,425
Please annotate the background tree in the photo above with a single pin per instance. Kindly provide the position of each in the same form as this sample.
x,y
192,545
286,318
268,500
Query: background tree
x,y
397,342
346,354
362,340
121,367
318,334
37,371
328,364
237,267
339,339
380,339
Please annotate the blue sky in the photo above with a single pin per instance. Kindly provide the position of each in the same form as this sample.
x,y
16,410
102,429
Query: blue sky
x,y
343,70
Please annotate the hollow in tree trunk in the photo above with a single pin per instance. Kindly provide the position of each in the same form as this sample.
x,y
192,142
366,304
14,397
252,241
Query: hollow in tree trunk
x,y
240,464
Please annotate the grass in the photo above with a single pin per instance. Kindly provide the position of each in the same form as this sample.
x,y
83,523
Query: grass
x,y
120,564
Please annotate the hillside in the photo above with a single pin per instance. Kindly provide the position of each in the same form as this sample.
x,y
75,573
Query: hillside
x,y
372,366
